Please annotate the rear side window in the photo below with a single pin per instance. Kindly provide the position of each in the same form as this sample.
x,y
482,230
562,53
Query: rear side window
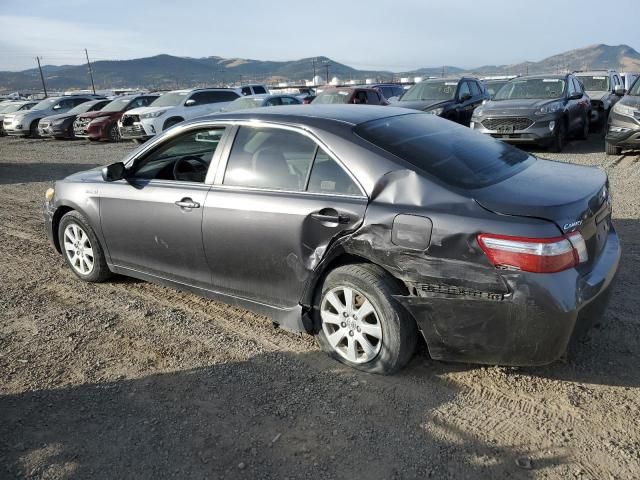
x,y
451,153
372,97
246,90
258,89
475,89
329,177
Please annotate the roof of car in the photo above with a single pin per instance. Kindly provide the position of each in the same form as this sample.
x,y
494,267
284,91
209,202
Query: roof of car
x,y
588,73
314,114
541,75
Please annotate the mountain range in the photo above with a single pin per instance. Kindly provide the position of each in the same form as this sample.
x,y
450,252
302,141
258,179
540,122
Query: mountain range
x,y
167,71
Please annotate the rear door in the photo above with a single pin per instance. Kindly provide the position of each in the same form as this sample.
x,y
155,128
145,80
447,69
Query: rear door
x,y
277,202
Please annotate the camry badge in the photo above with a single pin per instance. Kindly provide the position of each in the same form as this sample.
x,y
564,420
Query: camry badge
x,y
567,226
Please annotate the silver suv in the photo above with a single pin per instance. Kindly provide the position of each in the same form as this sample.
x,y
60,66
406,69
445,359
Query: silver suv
x,y
604,87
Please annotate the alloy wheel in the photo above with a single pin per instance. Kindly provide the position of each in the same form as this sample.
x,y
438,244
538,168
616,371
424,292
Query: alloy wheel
x,y
351,324
78,249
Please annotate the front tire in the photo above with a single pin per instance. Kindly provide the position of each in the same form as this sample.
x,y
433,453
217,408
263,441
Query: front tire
x,y
361,325
33,129
586,127
113,133
81,249
612,149
560,138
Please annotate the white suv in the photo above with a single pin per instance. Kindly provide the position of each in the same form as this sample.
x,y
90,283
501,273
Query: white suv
x,y
172,108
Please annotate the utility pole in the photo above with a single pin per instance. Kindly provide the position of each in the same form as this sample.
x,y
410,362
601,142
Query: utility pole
x,y
90,71
443,71
326,66
313,79
44,87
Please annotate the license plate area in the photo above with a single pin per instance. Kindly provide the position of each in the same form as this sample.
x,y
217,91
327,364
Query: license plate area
x,y
505,129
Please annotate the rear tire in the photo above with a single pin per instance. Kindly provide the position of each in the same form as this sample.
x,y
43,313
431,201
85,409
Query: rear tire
x,y
560,138
372,332
81,249
612,149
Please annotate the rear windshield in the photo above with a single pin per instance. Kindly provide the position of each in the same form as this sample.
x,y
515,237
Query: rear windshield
x,y
452,153
243,103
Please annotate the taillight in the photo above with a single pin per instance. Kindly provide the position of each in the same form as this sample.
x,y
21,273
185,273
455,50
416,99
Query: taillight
x,y
539,255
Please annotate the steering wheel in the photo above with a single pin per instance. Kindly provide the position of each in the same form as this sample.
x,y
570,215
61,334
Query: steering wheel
x,y
185,159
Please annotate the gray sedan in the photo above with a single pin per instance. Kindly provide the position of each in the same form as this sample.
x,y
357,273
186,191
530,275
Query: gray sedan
x,y
368,227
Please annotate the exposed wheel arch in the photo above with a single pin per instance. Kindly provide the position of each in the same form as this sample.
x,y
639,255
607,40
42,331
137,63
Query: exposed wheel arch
x,y
55,224
170,122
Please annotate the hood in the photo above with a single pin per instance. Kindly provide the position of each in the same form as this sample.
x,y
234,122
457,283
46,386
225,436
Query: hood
x,y
99,114
51,118
141,110
631,101
93,175
597,95
561,192
501,107
422,104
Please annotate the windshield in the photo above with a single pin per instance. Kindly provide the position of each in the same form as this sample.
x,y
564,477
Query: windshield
x,y
244,102
335,96
170,99
431,91
596,83
532,88
116,105
44,104
635,88
494,85
452,153
82,108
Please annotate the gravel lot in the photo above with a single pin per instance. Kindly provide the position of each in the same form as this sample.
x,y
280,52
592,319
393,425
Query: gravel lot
x,y
132,380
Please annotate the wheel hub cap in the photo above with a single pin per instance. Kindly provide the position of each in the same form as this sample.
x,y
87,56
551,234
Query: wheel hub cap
x,y
78,249
351,324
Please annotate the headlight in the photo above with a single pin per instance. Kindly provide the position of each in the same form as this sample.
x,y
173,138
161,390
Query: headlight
x,y
156,114
49,194
435,111
623,109
550,108
478,112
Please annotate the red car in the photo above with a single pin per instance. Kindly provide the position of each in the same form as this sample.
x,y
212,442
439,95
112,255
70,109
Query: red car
x,y
103,124
356,95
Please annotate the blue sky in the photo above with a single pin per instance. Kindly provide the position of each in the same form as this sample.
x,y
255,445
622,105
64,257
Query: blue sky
x,y
389,35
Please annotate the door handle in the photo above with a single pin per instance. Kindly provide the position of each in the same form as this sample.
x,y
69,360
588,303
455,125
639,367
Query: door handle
x,y
187,203
329,215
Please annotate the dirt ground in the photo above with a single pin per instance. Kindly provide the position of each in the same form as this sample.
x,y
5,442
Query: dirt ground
x,y
131,380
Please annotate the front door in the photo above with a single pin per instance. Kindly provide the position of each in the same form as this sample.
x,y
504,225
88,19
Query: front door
x,y
272,212
152,221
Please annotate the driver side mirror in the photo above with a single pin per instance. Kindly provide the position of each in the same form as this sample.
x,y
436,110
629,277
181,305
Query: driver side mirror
x,y
113,172
465,96
619,90
576,96
189,102
57,107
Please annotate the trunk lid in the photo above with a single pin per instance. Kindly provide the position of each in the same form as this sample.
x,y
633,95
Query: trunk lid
x,y
575,198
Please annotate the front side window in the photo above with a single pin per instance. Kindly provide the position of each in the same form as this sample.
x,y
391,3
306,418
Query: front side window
x,y
184,158
271,158
289,101
464,90
274,102
259,90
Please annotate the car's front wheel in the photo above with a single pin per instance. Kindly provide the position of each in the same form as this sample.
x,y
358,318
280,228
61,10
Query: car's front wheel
x,y
361,325
81,249
612,149
559,138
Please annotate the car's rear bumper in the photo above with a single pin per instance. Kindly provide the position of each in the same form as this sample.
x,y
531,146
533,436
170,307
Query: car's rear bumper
x,y
532,325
